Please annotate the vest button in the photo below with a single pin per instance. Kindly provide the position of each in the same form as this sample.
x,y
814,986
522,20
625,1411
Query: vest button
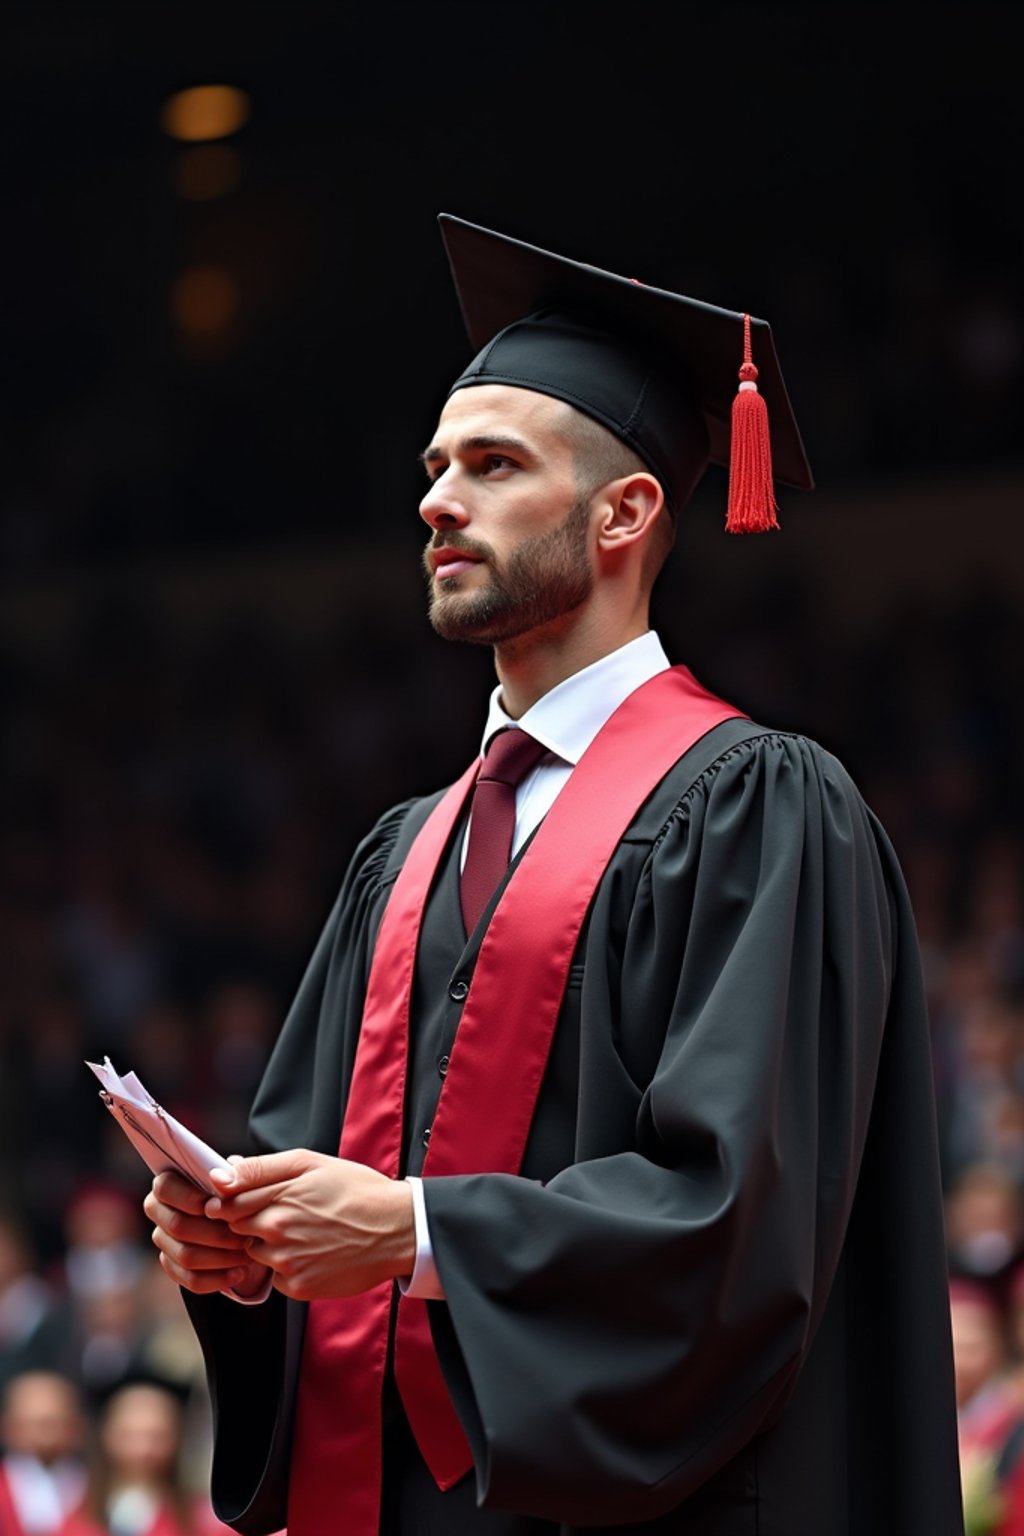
x,y
458,991
425,1138
442,1066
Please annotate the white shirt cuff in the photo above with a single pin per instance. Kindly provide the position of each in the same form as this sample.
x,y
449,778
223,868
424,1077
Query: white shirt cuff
x,y
424,1282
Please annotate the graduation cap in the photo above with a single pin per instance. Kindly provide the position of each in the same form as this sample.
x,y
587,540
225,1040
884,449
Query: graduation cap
x,y
657,369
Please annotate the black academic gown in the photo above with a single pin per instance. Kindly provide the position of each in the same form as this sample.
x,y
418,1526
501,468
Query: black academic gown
x,y
714,1302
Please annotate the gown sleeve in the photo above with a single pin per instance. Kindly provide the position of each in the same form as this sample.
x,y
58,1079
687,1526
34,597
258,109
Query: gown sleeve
x,y
252,1352
613,1336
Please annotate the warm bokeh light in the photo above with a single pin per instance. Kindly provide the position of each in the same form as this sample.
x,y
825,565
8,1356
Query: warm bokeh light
x,y
204,300
207,172
205,112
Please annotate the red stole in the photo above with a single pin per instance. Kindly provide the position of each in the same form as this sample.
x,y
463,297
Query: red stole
x,y
164,1523
10,1525
497,1061
10,1522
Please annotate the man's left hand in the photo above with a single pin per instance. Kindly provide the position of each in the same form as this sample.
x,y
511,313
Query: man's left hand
x,y
325,1226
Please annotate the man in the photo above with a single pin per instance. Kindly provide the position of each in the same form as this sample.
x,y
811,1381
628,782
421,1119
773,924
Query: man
x,y
34,1325
642,1125
42,1470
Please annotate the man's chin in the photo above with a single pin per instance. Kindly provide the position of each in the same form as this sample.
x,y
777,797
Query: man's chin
x,y
451,626
454,620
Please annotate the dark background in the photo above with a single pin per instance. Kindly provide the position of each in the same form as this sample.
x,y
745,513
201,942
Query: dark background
x,y
214,660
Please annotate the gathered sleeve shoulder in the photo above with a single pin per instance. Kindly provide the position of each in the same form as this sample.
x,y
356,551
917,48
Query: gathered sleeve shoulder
x,y
614,1335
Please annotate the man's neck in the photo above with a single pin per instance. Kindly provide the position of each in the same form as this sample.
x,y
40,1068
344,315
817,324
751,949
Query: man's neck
x,y
531,665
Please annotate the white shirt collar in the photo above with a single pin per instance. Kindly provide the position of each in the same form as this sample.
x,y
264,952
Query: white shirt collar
x,y
568,718
44,1496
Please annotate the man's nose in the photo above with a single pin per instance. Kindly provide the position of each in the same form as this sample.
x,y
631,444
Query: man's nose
x,y
441,507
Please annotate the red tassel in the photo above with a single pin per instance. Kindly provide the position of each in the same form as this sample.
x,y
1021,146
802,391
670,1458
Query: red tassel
x,y
752,505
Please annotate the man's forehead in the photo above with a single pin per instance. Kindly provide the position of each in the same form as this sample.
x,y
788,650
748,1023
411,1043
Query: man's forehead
x,y
502,409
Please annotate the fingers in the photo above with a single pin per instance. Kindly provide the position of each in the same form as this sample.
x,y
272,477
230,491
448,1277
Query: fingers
x,y
246,1278
199,1254
198,1230
233,1208
240,1277
257,1250
255,1172
204,1270
270,1226
256,1278
224,1252
253,1184
265,1242
220,1242
171,1189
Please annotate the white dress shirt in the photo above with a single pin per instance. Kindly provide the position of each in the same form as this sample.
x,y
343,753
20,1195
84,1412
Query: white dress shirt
x,y
43,1496
566,720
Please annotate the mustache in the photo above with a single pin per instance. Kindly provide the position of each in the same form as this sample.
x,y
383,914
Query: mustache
x,y
453,539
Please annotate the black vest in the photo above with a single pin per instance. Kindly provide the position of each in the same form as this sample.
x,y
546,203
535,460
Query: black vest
x,y
445,962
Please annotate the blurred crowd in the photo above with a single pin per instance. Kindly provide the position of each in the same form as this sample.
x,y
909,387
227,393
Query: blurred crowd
x,y
181,800
177,818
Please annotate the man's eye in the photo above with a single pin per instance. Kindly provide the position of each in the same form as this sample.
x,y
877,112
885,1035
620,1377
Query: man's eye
x,y
497,461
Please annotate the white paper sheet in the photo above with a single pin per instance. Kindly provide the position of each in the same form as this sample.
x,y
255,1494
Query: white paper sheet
x,y
163,1143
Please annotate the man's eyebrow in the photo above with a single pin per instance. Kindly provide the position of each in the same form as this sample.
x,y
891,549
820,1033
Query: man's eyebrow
x,y
482,440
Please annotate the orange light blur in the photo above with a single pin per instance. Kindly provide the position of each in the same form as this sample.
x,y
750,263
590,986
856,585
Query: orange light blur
x,y
205,112
204,300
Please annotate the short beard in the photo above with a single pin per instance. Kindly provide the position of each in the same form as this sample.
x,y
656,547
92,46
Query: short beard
x,y
544,578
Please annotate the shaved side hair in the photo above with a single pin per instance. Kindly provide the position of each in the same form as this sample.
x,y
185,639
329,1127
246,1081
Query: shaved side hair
x,y
600,457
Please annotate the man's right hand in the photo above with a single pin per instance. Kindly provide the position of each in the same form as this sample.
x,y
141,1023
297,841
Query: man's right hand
x,y
198,1252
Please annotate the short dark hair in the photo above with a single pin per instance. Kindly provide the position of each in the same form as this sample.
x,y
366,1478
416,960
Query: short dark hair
x,y
600,457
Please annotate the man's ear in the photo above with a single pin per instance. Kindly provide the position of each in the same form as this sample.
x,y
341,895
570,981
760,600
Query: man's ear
x,y
628,510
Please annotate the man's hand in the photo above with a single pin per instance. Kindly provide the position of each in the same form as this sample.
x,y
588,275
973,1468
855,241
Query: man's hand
x,y
201,1254
326,1227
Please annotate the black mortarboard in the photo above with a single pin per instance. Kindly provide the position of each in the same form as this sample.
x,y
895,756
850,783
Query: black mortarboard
x,y
655,368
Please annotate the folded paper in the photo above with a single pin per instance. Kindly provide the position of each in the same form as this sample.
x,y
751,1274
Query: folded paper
x,y
163,1143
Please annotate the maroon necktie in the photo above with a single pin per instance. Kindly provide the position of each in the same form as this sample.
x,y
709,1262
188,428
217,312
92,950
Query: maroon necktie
x,y
508,759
